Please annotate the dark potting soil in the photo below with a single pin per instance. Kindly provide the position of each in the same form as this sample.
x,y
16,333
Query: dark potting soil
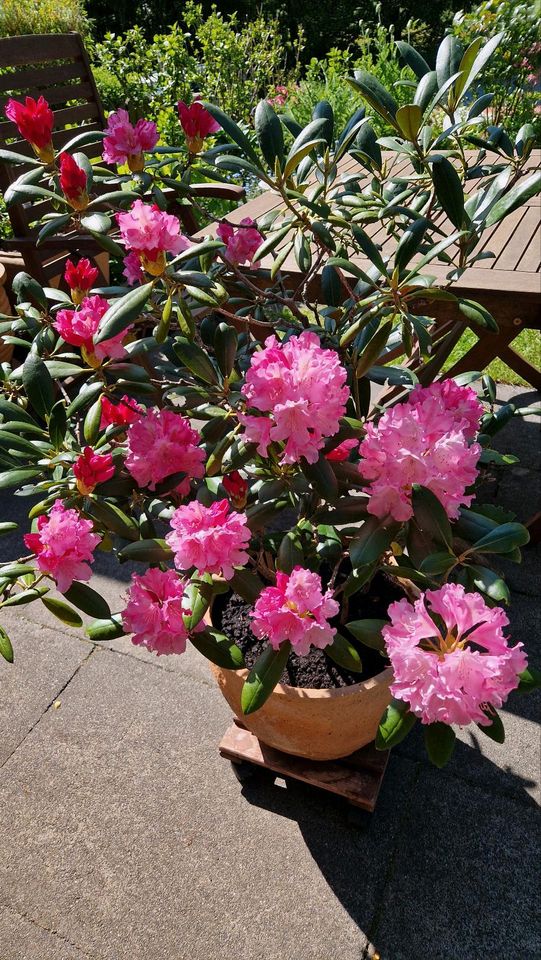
x,y
232,615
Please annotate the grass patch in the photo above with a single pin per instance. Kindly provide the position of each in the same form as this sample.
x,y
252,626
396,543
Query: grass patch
x,y
528,343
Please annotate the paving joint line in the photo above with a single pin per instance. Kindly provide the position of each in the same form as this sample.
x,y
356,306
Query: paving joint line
x,y
55,933
49,705
155,666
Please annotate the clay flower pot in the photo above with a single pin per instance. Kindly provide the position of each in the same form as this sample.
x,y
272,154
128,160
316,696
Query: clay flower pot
x,y
316,724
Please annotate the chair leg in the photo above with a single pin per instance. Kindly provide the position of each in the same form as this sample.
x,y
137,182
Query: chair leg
x,y
521,366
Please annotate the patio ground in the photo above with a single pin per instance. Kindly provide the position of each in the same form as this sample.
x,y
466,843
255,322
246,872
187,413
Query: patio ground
x,y
124,835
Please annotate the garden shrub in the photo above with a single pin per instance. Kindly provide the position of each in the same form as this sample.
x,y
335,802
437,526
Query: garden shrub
x,y
514,72
43,16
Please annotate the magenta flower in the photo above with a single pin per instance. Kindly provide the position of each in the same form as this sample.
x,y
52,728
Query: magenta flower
x,y
80,278
34,120
301,388
197,124
124,412
211,539
63,545
161,443
421,442
242,243
91,468
156,606
150,233
451,675
342,451
296,609
133,270
444,400
125,143
73,182
78,327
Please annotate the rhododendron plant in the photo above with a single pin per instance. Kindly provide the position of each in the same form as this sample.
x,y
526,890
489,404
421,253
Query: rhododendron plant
x,y
211,539
34,120
249,433
125,143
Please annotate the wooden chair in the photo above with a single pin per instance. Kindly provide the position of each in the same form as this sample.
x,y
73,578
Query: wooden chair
x,y
57,67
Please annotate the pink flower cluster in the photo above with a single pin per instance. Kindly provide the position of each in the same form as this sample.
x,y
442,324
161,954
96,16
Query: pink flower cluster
x,y
149,234
125,143
78,328
281,94
124,412
296,609
161,443
156,606
451,678
211,539
424,441
91,468
301,387
63,545
241,244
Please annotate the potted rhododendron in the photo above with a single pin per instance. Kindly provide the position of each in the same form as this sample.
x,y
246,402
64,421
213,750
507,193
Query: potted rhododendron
x,y
302,505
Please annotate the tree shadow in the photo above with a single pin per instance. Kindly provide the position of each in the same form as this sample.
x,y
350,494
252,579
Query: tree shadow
x,y
445,868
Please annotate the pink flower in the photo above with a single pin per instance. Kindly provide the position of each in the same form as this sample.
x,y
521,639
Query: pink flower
x,y
125,143
78,327
63,545
302,388
296,609
133,270
342,451
91,468
450,678
211,539
156,606
197,124
124,412
34,120
242,243
80,278
150,233
446,399
73,182
422,442
161,443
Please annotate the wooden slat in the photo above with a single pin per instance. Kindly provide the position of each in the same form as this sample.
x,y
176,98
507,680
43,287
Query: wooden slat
x,y
21,80
520,241
20,51
56,95
501,237
530,261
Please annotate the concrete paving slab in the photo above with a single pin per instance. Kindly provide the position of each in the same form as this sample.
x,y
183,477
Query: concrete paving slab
x,y
131,838
464,878
44,662
22,938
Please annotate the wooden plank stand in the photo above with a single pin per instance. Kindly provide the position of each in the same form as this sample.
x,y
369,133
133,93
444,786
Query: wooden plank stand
x,y
356,778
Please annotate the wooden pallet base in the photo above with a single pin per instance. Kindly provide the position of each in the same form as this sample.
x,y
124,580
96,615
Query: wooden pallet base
x,y
357,778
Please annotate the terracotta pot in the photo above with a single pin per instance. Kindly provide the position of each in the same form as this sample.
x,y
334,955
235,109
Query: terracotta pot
x,y
316,724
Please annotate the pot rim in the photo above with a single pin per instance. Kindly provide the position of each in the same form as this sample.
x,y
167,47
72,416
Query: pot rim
x,y
316,693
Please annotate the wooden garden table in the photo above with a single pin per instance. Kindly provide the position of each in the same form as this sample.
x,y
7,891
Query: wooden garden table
x,y
508,284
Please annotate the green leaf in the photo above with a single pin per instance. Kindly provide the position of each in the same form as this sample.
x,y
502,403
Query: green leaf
x,y
346,510
88,600
92,422
198,594
218,648
448,189
17,477
58,424
308,139
263,677
409,119
149,551
375,94
122,312
246,584
7,527
529,679
163,327
96,223
270,134
9,156
372,541
426,89
369,632
409,242
478,314
430,516
321,475
436,563
490,583
103,630
112,518
196,360
373,349
412,59
366,143
232,130
344,654
481,59
394,725
519,194
62,611
439,742
225,347
290,553
494,729
503,539
6,650
38,384
448,58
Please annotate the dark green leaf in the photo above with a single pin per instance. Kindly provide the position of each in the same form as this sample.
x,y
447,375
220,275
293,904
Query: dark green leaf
x,y
248,585
103,630
439,742
225,347
196,360
448,187
344,654
490,583
413,59
150,551
448,58
529,679
218,648
38,384
503,539
58,424
430,516
290,553
394,725
321,475
263,677
88,600
270,134
368,632
62,611
375,94
232,130
6,650
372,541
122,312
477,314
519,194
494,729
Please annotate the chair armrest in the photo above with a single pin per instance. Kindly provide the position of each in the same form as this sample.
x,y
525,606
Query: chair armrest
x,y
221,191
